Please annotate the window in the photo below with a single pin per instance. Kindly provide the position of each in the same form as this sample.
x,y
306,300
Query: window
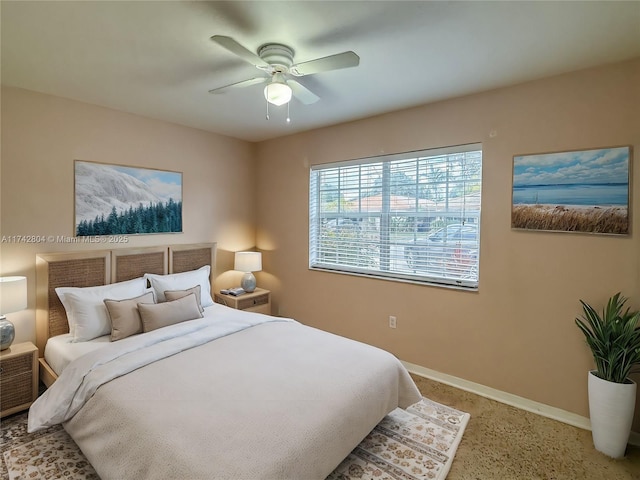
x,y
412,216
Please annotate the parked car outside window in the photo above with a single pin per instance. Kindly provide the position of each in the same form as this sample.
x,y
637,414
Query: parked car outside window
x,y
451,251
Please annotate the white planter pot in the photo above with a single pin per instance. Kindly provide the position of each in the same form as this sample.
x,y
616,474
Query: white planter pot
x,y
611,407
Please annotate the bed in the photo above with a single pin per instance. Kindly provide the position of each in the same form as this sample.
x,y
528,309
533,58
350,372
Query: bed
x,y
230,395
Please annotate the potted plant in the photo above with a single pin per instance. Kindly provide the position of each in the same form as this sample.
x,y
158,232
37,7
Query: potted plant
x,y
614,339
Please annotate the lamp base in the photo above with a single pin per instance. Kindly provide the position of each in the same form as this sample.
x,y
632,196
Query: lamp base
x,y
248,282
7,333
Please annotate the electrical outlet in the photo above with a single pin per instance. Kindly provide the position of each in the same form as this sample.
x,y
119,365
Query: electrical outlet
x,y
392,321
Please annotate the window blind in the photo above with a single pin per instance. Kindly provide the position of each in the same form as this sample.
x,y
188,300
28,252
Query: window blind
x,y
413,216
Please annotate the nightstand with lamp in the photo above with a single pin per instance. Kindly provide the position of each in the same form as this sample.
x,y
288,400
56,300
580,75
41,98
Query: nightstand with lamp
x,y
19,362
255,299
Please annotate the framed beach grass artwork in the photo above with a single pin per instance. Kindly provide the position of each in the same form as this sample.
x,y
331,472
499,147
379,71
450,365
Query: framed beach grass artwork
x,y
574,191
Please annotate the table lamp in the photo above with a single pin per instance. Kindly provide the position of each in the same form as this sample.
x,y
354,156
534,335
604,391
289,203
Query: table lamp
x,y
248,262
13,297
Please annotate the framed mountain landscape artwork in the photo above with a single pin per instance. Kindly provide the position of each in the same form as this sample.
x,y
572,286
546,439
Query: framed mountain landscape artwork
x,y
574,191
121,200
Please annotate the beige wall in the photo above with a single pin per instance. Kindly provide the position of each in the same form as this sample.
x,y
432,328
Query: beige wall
x,y
517,334
43,135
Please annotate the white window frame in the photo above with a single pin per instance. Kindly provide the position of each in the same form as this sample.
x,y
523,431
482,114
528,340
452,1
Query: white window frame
x,y
388,240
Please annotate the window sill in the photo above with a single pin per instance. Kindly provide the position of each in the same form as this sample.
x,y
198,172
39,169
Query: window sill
x,y
423,283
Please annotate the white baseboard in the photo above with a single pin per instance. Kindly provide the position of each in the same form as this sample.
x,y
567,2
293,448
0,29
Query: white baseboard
x,y
508,398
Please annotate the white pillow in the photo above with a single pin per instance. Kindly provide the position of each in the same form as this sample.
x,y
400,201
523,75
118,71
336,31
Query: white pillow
x,y
183,281
87,315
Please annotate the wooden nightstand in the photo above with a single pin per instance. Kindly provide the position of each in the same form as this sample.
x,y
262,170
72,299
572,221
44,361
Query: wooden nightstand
x,y
18,377
257,301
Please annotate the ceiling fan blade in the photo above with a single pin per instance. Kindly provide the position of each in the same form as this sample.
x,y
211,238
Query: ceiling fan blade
x,y
237,49
302,93
325,64
243,83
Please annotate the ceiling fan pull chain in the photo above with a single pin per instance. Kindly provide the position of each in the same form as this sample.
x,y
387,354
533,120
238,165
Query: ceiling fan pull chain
x,y
267,110
288,117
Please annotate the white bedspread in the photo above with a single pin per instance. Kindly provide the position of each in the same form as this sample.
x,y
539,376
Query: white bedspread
x,y
243,396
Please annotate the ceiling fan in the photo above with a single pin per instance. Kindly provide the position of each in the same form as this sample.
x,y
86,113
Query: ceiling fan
x,y
276,61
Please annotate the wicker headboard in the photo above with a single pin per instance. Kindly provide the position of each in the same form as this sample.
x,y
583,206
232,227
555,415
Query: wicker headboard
x,y
127,264
88,269
84,269
183,258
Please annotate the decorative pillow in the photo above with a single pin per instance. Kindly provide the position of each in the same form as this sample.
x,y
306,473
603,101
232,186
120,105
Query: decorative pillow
x,y
158,315
183,281
86,312
124,315
170,295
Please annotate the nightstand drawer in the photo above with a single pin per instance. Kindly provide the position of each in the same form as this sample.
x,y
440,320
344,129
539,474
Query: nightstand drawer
x,y
16,390
244,303
18,377
16,366
257,301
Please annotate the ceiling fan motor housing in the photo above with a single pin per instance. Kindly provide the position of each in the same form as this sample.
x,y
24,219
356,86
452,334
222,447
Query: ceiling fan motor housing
x,y
277,55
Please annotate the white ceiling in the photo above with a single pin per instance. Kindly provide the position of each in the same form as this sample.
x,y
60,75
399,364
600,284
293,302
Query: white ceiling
x,y
155,58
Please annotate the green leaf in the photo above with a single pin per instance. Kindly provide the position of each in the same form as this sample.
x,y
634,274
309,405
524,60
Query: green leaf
x,y
613,337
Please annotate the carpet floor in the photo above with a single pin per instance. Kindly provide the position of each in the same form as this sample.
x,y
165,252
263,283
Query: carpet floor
x,y
505,443
418,443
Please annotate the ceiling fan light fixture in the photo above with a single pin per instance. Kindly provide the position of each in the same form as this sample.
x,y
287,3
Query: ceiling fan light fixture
x,y
277,93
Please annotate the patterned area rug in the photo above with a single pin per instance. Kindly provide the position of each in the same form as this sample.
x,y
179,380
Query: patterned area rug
x,y
414,444
48,454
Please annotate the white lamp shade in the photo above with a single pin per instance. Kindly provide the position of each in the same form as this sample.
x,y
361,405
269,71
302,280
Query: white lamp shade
x,y
248,261
13,294
277,93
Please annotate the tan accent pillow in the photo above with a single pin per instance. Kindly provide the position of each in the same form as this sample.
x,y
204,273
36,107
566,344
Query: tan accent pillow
x,y
164,314
124,315
176,294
